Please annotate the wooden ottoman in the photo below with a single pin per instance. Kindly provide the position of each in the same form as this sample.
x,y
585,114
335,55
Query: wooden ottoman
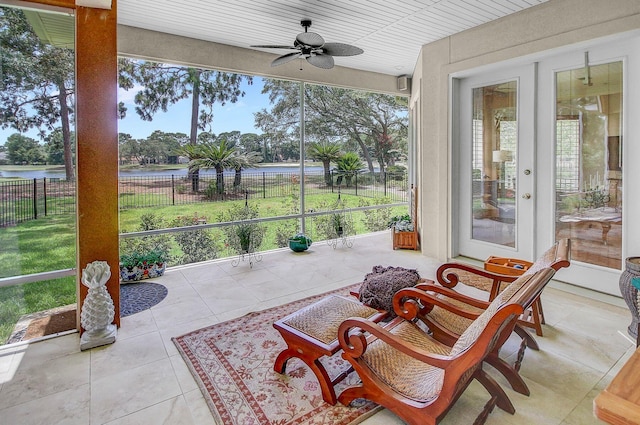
x,y
312,332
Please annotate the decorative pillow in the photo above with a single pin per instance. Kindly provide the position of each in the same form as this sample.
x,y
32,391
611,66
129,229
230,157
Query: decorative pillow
x,y
382,283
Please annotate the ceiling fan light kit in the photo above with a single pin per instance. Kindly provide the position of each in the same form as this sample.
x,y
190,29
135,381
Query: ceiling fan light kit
x,y
312,47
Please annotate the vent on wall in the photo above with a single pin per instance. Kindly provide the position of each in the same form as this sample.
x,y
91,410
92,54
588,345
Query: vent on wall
x,y
404,83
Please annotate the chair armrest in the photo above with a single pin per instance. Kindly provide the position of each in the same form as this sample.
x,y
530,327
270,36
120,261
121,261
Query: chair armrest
x,y
451,279
405,304
450,293
354,343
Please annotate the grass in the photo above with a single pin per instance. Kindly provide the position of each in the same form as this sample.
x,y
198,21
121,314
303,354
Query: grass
x,y
48,243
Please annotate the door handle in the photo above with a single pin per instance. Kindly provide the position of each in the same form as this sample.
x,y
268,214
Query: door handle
x,y
526,196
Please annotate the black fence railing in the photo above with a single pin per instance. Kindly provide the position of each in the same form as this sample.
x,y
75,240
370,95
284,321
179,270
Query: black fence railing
x,y
22,200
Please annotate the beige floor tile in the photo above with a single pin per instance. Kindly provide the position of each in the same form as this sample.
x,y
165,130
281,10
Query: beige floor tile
x,y
204,272
69,407
583,412
33,381
136,324
129,391
604,350
183,374
199,409
173,411
184,311
184,328
126,355
559,374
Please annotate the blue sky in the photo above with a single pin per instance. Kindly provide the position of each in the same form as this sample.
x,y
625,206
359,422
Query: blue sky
x,y
232,116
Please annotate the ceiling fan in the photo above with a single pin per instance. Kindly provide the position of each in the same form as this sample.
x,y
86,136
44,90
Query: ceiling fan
x,y
312,47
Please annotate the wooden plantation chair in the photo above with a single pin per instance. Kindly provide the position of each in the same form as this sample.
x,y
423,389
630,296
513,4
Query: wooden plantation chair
x,y
411,373
447,324
556,257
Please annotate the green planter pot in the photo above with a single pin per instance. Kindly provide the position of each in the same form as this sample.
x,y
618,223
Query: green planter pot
x,y
299,243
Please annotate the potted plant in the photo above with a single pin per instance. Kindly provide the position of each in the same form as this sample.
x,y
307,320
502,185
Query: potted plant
x,y
338,224
135,266
401,223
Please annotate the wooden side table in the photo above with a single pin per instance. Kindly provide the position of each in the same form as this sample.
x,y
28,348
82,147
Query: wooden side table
x,y
619,403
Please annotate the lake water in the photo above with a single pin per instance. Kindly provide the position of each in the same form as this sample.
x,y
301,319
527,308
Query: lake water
x,y
38,174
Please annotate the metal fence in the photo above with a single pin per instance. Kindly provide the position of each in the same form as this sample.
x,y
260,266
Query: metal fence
x,y
23,200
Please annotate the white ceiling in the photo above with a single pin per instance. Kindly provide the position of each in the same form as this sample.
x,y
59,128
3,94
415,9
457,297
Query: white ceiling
x,y
390,32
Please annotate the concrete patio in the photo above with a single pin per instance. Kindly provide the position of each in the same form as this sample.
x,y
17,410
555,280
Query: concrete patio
x,y
141,379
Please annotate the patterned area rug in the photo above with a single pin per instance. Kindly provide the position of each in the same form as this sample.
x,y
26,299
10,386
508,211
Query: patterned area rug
x,y
233,365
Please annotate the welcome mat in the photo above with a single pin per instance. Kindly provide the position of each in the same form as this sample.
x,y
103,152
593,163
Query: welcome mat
x,y
233,365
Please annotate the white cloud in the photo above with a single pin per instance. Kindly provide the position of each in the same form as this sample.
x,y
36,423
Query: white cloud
x,y
127,96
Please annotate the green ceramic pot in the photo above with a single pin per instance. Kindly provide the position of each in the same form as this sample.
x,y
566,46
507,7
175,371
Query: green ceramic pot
x,y
299,243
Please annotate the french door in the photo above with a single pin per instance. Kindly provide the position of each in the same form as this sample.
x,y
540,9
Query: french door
x,y
495,179
541,155
585,97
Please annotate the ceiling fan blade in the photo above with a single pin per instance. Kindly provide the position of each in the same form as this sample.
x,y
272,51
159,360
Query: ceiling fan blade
x,y
285,58
310,39
272,46
321,61
341,49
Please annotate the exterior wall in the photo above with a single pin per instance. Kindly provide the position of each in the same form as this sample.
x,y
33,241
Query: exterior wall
x,y
552,25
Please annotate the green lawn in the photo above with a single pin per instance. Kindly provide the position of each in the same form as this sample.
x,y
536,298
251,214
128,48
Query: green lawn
x,y
48,243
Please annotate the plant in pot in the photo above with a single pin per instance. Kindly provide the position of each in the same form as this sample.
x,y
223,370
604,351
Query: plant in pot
x,y
401,223
337,223
244,237
135,266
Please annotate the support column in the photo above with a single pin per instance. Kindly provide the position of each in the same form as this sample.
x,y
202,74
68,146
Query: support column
x,y
97,146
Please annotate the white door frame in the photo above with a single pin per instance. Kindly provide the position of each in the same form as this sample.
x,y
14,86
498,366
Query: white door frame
x,y
524,75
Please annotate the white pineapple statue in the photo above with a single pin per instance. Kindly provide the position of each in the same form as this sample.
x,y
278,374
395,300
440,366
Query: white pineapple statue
x,y
97,309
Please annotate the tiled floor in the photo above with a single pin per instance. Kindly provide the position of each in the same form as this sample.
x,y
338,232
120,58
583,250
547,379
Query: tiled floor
x,y
141,379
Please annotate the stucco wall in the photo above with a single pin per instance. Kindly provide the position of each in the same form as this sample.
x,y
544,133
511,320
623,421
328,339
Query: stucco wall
x,y
552,25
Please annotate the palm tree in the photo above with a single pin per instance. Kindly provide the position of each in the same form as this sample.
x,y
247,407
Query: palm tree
x,y
244,161
325,152
193,152
348,165
219,156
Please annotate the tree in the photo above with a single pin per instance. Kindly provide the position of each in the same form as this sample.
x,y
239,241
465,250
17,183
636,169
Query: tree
x,y
23,149
37,81
280,124
164,85
219,156
243,161
348,166
326,153
374,124
54,146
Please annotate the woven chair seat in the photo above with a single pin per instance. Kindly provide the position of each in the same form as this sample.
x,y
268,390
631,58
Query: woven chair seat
x,y
322,319
406,375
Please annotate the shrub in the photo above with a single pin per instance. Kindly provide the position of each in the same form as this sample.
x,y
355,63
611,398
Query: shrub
x,y
376,219
196,245
147,244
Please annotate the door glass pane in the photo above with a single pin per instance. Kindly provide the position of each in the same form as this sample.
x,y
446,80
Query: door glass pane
x,y
588,162
495,134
